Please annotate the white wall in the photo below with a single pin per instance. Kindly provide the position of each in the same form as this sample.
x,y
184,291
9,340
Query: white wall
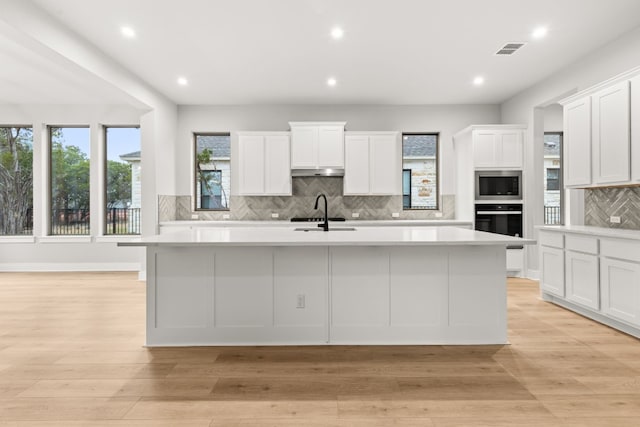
x,y
446,119
56,253
553,118
528,107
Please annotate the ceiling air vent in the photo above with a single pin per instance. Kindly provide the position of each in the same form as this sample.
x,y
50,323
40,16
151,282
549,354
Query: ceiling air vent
x,y
509,48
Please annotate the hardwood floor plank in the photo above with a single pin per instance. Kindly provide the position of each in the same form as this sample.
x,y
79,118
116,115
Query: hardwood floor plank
x,y
78,408
176,410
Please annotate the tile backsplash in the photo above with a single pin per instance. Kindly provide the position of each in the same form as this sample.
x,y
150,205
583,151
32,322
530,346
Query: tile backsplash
x,y
602,203
305,190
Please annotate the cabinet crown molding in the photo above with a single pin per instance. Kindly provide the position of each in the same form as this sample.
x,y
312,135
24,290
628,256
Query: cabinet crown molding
x,y
487,127
602,85
295,124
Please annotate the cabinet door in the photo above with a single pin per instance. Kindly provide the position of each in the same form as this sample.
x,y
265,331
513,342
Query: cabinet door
x,y
356,168
509,146
552,270
304,147
385,169
611,139
484,149
581,279
331,147
635,129
577,143
277,165
251,165
620,286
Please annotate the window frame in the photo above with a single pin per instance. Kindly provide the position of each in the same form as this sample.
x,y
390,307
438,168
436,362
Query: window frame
x,y
560,176
50,180
437,161
196,179
553,180
105,171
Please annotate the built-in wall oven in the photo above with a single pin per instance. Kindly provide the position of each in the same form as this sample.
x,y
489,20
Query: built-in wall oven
x,y
500,218
498,185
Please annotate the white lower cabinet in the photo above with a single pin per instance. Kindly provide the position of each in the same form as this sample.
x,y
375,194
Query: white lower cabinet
x,y
552,271
581,279
596,275
620,286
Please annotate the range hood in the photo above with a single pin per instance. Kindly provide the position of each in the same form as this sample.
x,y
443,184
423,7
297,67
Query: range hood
x,y
317,172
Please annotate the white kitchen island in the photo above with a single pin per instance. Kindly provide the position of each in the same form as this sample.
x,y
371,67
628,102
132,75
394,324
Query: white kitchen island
x,y
371,285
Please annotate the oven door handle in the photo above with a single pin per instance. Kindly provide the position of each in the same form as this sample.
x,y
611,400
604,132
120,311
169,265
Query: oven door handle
x,y
499,213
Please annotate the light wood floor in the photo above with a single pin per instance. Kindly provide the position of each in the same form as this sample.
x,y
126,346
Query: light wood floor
x,y
71,354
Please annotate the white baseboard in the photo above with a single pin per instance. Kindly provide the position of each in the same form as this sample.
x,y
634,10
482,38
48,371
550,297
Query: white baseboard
x,y
64,266
533,274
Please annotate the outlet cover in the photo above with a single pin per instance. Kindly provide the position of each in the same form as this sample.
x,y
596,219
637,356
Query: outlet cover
x,y
614,220
438,214
275,215
355,215
395,215
300,301
194,216
226,216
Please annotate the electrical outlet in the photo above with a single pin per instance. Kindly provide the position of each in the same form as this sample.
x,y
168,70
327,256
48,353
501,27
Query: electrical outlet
x,y
438,214
226,216
355,215
300,301
614,220
194,216
275,215
395,215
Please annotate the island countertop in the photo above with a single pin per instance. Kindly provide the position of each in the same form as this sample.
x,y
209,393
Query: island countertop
x,y
337,236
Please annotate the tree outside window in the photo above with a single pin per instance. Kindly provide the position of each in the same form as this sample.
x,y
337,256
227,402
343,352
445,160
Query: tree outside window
x,y
16,181
70,192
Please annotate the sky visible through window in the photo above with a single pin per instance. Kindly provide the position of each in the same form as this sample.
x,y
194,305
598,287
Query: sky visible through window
x,y
120,140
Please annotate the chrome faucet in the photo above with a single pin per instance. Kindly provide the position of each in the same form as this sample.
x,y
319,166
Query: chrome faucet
x,y
325,224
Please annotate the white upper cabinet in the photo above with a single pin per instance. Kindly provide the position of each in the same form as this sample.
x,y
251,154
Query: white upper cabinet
x,y
372,163
317,145
602,133
577,143
264,164
611,135
497,149
635,129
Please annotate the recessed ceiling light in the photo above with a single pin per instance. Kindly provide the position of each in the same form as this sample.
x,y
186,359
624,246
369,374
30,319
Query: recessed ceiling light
x,y
478,81
128,32
539,32
182,81
332,82
337,33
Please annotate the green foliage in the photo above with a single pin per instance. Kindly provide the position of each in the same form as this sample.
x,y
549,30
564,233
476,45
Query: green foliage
x,y
69,177
118,184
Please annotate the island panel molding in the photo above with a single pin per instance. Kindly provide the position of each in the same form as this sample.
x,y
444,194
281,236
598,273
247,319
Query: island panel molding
x,y
374,285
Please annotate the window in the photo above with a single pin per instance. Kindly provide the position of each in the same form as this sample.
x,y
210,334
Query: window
x,y
16,181
553,194
553,179
212,170
69,183
420,171
123,185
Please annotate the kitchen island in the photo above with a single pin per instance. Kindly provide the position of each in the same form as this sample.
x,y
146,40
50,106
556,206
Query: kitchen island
x,y
301,286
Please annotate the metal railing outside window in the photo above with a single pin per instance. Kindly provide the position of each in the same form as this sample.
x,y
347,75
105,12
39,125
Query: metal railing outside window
x,y
69,222
552,215
123,221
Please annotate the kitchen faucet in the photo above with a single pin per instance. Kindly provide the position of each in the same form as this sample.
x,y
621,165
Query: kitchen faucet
x,y
325,224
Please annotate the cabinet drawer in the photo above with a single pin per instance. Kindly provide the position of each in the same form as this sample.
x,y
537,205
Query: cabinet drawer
x,y
622,249
554,240
588,245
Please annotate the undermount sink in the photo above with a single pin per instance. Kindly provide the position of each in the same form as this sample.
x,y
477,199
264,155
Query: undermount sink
x,y
330,229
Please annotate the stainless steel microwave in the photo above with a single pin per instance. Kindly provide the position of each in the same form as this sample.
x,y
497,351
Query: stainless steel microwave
x,y
498,185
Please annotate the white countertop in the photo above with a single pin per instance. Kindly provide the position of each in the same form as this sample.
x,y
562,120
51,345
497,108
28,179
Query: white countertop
x,y
349,223
362,236
594,231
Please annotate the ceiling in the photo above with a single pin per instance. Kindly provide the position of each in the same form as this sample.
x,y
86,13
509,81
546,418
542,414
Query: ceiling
x,y
281,51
